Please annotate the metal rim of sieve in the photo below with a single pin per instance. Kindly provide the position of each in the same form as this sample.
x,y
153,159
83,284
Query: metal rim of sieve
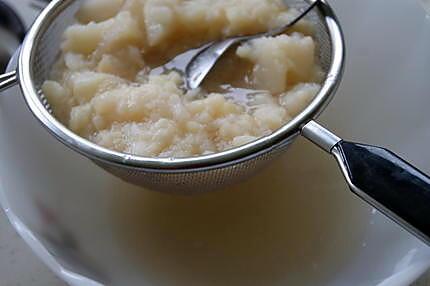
x,y
231,156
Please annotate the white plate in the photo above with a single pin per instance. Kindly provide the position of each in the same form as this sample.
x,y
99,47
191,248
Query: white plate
x,y
294,224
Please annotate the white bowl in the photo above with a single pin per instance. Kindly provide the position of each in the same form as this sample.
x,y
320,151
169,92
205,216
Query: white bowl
x,y
296,223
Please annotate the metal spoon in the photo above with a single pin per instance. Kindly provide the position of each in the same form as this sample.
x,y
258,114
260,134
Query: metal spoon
x,y
196,64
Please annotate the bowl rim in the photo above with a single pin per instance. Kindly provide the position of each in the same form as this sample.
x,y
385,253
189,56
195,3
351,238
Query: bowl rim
x,y
101,154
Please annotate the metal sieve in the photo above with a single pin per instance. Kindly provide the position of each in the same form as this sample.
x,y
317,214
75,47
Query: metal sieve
x,y
376,175
197,174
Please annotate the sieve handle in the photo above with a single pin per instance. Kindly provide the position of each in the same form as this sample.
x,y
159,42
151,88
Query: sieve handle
x,y
8,80
380,177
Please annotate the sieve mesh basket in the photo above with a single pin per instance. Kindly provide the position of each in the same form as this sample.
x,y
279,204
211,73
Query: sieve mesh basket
x,y
178,175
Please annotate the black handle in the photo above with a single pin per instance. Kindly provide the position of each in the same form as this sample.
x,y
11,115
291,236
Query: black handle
x,y
10,21
389,183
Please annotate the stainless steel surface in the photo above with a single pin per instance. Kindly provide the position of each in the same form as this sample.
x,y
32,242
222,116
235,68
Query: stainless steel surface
x,y
322,137
201,64
344,168
195,174
7,80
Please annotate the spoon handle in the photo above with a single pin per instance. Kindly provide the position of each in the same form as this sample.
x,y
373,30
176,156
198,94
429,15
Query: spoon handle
x,y
203,62
282,29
